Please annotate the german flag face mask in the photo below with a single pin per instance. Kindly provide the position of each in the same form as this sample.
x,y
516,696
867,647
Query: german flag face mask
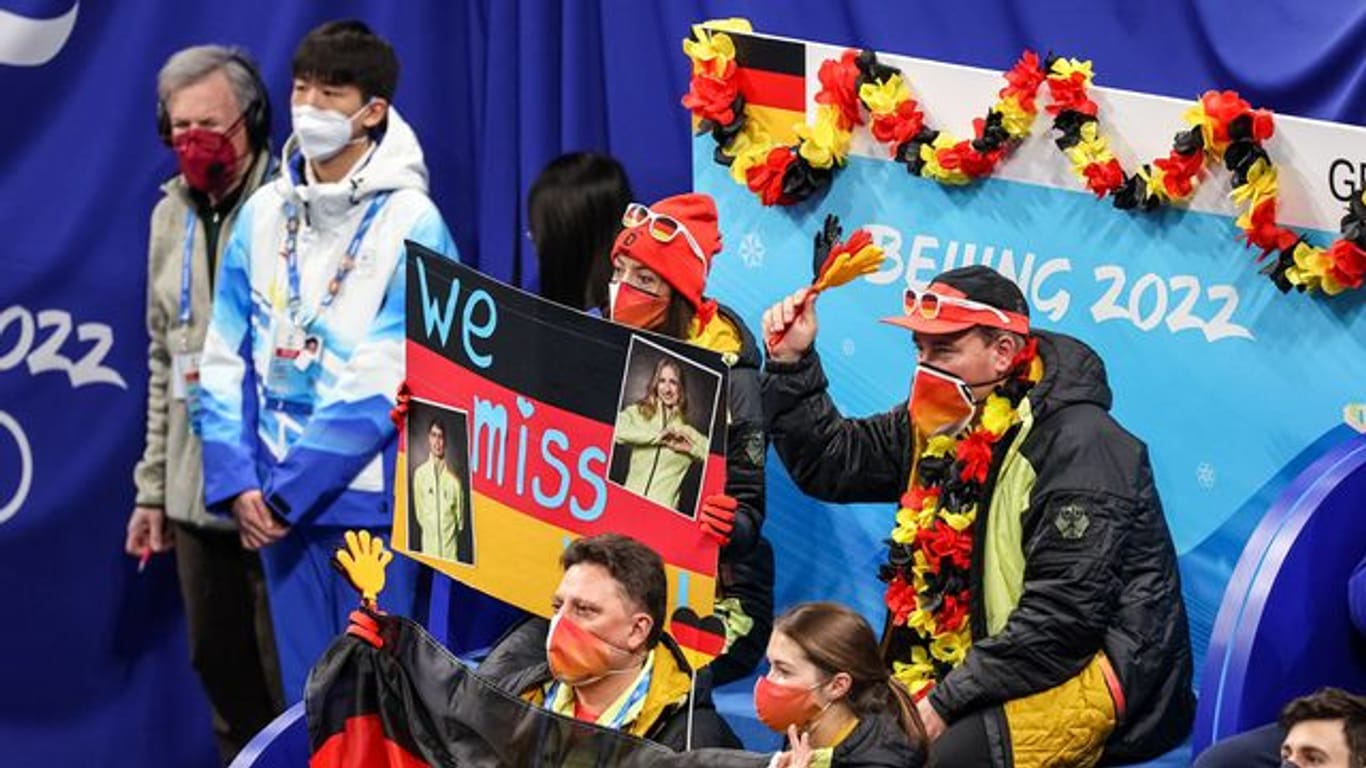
x,y
941,403
636,307
579,657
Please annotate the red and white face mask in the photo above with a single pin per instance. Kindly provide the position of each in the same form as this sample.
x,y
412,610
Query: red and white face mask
x,y
635,307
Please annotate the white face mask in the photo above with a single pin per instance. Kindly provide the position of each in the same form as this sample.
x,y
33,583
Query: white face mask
x,y
322,133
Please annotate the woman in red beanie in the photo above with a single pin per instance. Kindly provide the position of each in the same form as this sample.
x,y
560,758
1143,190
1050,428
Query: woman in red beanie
x,y
660,262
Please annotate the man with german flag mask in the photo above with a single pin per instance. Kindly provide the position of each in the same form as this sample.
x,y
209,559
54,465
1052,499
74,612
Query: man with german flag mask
x,y
1033,601
660,262
606,658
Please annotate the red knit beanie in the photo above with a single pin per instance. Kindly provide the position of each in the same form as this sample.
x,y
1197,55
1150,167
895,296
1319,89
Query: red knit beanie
x,y
675,261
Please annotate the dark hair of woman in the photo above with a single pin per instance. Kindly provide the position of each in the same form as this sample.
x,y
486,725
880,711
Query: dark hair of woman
x,y
574,212
678,319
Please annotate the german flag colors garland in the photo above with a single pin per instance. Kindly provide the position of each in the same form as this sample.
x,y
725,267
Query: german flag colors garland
x,y
1224,128
929,559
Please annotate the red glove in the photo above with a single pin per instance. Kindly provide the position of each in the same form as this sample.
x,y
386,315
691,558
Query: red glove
x,y
399,413
718,517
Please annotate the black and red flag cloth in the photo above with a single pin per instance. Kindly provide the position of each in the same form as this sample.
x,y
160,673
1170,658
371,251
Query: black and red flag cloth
x,y
388,695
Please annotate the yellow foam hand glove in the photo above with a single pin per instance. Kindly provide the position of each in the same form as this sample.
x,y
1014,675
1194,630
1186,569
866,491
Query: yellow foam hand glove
x,y
362,561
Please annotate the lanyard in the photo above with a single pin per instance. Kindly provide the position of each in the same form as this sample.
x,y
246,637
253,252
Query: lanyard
x,y
619,719
348,262
185,264
636,695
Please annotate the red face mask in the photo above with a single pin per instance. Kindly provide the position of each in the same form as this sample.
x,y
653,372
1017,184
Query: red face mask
x,y
207,158
941,403
579,657
780,706
636,308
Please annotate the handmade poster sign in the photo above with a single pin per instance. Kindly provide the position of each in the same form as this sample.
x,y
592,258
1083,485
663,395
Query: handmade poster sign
x,y
531,425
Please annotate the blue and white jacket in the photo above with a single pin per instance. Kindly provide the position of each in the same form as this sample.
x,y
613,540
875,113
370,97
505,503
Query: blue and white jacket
x,y
334,466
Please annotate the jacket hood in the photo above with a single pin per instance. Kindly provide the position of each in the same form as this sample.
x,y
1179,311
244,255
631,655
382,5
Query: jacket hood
x,y
1072,374
395,163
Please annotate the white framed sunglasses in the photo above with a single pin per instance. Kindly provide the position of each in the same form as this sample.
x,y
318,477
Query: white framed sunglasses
x,y
927,304
662,227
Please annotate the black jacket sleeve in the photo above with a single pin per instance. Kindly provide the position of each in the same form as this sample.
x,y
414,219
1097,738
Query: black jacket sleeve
x,y
745,452
829,456
1073,547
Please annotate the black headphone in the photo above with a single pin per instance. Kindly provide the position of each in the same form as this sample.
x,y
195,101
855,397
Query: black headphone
x,y
256,115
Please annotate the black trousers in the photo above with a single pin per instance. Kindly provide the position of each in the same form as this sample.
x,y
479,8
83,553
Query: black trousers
x,y
232,644
964,744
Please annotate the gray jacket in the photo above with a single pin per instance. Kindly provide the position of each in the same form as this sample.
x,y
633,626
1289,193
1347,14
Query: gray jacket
x,y
170,474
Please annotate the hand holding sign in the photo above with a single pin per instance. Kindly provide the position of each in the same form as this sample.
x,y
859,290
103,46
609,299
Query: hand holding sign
x,y
718,517
399,413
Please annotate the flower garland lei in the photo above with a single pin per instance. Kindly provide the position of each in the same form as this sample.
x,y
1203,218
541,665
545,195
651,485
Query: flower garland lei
x,y
1224,128
929,559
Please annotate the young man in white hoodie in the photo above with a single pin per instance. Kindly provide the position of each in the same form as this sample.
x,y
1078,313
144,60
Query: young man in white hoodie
x,y
305,347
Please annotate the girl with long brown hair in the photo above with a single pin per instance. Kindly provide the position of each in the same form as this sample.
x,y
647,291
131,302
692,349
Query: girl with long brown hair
x,y
828,689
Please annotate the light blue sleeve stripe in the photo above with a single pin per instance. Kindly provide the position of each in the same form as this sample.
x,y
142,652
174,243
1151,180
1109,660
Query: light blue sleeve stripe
x,y
430,231
346,432
227,380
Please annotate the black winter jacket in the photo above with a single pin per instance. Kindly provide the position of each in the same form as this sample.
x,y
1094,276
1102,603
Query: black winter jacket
x,y
878,742
746,565
1100,567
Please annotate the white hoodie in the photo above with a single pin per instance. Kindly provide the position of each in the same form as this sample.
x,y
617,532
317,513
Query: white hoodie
x,y
324,468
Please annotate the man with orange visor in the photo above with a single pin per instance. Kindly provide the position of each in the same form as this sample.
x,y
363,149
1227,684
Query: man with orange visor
x,y
1033,601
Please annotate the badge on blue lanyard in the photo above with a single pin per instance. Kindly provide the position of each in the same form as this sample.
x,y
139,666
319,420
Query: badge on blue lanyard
x,y
185,362
296,352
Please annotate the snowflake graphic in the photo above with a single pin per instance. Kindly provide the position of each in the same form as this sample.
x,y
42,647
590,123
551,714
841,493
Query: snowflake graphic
x,y
1204,474
752,251
847,347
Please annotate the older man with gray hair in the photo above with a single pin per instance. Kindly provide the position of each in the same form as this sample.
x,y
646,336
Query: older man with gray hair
x,y
214,113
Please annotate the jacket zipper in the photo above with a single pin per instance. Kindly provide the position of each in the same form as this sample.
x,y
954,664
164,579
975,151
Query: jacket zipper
x,y
649,481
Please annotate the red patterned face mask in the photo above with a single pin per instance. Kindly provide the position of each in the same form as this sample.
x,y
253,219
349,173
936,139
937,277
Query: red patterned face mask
x,y
780,706
579,657
207,158
636,308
